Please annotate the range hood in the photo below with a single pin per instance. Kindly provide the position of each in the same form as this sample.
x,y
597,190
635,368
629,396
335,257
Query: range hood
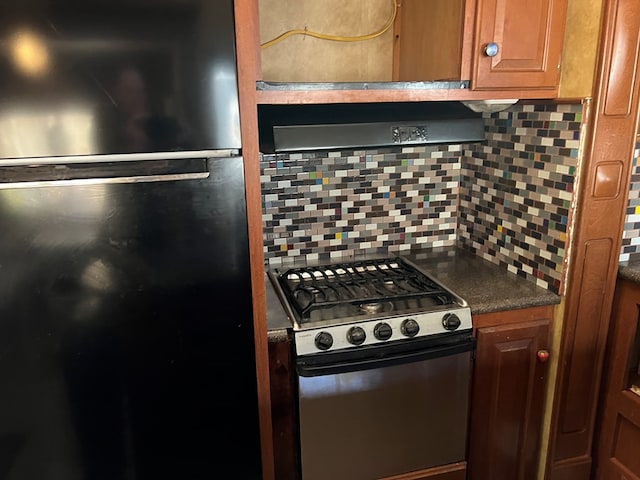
x,y
295,128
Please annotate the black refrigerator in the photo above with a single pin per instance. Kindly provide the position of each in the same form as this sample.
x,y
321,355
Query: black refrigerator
x,y
126,331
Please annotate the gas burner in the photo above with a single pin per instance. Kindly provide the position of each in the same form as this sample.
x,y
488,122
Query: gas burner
x,y
376,307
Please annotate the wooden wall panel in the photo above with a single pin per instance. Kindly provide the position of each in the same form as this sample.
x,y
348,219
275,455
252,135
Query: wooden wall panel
x,y
597,235
585,348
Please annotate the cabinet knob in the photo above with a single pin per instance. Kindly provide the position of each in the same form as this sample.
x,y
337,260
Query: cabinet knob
x,y
492,49
543,355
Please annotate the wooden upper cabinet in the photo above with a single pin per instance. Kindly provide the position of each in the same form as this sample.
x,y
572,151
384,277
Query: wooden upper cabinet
x,y
431,40
526,38
452,40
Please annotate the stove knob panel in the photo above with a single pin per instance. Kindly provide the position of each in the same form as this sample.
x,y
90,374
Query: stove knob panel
x,y
409,327
451,321
324,340
382,331
356,336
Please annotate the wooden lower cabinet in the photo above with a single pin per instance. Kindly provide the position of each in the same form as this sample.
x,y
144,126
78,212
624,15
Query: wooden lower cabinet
x,y
618,444
507,399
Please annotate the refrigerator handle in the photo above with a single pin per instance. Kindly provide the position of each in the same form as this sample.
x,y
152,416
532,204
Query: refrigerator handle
x,y
105,180
106,172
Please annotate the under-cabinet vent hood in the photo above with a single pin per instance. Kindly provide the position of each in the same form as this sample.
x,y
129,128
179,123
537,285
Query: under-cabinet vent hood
x,y
293,128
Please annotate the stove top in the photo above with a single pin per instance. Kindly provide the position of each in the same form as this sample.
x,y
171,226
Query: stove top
x,y
365,303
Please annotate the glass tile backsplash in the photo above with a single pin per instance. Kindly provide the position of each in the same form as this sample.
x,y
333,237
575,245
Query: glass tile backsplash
x,y
506,199
516,190
338,204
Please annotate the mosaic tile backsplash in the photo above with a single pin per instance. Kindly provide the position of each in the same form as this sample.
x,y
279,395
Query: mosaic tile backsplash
x,y
327,205
516,190
630,250
507,199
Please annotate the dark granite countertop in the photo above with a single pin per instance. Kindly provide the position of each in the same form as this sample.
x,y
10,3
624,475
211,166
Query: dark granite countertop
x,y
486,286
630,271
278,321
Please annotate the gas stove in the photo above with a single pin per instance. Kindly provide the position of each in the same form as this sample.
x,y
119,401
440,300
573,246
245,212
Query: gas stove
x,y
361,304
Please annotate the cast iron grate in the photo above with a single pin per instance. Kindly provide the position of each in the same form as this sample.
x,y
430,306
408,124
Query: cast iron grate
x,y
370,286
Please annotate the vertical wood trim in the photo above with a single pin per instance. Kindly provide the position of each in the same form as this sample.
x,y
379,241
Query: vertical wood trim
x,y
598,235
624,55
468,35
248,41
585,133
248,54
397,51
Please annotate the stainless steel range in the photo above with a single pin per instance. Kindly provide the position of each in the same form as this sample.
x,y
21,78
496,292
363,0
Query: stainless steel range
x,y
383,357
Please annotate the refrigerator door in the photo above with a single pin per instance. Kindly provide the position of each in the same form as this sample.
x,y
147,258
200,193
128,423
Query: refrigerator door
x,y
126,334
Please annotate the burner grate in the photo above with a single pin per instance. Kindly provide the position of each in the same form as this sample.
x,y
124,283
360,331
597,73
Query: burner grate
x,y
369,286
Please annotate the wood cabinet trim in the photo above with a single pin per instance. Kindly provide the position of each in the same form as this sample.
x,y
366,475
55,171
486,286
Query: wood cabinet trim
x,y
275,97
513,317
466,57
248,63
284,409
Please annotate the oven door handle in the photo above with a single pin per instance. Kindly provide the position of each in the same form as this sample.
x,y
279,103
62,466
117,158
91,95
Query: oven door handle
x,y
376,356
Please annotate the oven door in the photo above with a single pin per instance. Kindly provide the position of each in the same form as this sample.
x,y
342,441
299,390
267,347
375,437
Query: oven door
x,y
386,410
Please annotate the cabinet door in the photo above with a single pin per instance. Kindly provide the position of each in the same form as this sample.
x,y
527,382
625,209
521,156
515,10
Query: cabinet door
x,y
528,36
620,428
507,401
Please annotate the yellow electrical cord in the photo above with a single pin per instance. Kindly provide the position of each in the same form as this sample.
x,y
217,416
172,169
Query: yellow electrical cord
x,y
337,38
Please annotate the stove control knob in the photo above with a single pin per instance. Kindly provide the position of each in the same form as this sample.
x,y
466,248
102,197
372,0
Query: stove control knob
x,y
324,340
451,321
382,331
409,327
356,336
